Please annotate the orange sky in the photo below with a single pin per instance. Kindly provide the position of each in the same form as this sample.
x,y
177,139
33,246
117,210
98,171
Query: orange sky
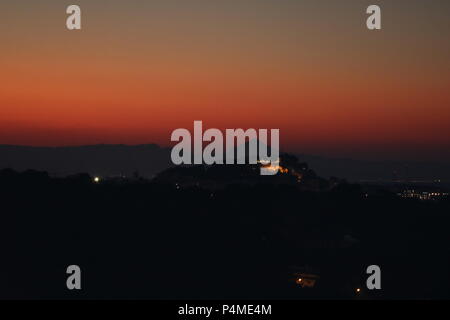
x,y
137,71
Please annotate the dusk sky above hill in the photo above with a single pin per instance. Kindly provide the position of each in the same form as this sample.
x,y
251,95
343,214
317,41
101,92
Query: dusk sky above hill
x,y
140,69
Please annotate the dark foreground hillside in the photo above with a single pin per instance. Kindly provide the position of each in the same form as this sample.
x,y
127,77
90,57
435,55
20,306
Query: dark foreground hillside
x,y
141,239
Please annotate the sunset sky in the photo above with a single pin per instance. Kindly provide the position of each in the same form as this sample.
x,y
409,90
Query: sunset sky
x,y
140,69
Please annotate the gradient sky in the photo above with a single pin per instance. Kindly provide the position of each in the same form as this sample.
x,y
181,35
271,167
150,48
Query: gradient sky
x,y
140,69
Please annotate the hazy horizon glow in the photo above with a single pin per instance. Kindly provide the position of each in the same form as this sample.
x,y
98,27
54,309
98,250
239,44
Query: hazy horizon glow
x,y
138,70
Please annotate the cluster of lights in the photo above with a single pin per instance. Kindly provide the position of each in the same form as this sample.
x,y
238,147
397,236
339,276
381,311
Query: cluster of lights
x,y
421,195
274,166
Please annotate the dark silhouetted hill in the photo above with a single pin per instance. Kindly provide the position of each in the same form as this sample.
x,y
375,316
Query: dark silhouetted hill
x,y
149,240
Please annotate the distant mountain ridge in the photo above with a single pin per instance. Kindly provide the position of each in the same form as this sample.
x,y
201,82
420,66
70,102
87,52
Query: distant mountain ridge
x,y
382,171
149,159
104,159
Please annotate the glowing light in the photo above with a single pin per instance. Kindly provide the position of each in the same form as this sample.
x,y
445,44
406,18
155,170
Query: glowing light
x,y
277,168
358,290
97,179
